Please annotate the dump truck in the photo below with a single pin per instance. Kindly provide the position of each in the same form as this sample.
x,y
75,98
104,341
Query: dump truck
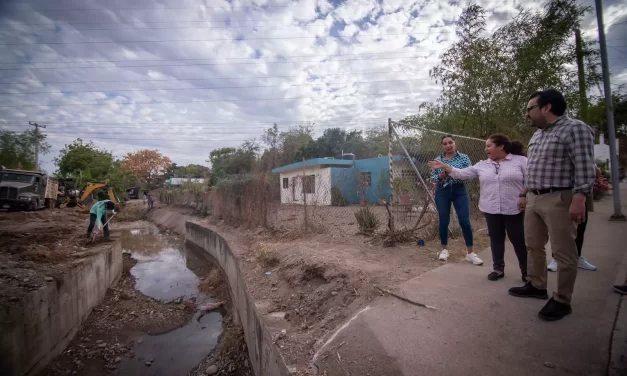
x,y
27,190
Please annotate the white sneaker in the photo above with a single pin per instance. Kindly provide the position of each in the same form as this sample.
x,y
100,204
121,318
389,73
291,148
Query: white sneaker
x,y
444,255
552,266
472,257
584,264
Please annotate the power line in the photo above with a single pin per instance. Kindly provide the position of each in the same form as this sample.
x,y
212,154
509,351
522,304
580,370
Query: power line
x,y
297,22
258,61
205,58
142,8
209,40
174,79
215,88
197,101
188,27
210,58
249,122
58,129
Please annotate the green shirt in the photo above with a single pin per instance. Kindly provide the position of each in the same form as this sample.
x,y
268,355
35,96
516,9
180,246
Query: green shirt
x,y
99,208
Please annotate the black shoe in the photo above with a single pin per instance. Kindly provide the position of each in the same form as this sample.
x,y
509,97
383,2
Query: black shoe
x,y
528,291
621,289
554,310
496,274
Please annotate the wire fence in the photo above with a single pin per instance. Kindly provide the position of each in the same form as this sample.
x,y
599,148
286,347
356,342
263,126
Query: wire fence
x,y
390,198
413,147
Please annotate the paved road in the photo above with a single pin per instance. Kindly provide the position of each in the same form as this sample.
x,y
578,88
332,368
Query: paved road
x,y
478,329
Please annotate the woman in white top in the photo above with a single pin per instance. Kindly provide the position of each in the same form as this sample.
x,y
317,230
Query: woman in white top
x,y
502,181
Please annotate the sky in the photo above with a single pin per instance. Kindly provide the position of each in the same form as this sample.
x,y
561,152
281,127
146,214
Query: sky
x,y
189,76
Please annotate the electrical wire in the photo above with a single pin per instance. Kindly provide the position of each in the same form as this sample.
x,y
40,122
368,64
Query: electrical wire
x,y
206,58
174,79
217,87
155,102
378,36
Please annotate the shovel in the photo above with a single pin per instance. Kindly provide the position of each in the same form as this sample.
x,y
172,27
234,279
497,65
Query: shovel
x,y
102,228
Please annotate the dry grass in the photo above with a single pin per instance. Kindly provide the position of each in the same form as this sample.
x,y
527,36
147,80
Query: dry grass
x,y
266,255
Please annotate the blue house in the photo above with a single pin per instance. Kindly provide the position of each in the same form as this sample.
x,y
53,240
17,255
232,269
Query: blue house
x,y
321,181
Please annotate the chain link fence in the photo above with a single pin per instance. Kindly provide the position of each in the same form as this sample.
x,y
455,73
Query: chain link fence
x,y
388,197
411,149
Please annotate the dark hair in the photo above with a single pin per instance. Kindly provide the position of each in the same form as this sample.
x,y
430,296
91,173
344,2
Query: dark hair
x,y
447,136
552,97
109,205
510,147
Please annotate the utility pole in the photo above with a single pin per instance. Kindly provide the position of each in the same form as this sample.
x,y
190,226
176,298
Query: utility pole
x,y
581,74
609,109
37,126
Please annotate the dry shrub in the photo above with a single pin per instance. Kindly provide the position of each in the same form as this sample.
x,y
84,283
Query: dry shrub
x,y
367,220
267,256
243,200
195,195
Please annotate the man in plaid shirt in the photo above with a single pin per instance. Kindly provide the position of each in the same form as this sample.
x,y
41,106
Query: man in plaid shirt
x,y
560,175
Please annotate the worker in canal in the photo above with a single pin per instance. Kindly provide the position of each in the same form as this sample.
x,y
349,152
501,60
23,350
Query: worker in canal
x,y
98,216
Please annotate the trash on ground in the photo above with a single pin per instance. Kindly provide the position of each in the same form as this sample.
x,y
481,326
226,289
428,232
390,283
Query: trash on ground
x,y
210,306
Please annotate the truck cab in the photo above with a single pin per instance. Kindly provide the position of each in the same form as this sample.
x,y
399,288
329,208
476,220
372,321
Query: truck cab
x,y
22,190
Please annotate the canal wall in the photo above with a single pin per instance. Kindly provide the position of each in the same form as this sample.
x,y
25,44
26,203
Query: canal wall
x,y
41,325
263,353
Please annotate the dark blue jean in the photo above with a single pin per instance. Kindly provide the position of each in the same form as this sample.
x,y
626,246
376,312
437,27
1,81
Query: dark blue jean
x,y
457,195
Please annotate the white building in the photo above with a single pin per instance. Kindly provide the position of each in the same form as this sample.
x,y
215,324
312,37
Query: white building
x,y
602,151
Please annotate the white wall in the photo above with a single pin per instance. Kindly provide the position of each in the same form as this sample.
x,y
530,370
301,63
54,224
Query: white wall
x,y
602,151
322,195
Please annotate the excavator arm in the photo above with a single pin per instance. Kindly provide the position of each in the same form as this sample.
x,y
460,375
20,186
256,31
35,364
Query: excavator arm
x,y
91,187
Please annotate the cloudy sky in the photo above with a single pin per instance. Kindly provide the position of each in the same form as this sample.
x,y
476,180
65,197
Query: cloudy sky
x,y
190,76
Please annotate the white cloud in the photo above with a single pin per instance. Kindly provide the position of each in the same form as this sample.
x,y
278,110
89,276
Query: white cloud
x,y
241,69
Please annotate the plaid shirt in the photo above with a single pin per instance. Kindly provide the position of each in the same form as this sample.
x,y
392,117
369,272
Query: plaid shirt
x,y
459,160
562,155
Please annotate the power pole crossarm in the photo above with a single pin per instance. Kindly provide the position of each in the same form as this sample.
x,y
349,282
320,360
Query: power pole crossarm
x,y
37,126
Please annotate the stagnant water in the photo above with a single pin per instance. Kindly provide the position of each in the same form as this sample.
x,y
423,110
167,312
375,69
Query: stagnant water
x,y
167,270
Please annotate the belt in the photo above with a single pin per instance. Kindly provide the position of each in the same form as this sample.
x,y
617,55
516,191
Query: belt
x,y
548,190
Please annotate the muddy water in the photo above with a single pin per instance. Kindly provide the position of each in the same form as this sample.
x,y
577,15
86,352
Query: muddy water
x,y
167,270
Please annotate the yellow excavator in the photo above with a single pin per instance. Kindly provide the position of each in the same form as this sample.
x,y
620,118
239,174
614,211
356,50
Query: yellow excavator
x,y
85,197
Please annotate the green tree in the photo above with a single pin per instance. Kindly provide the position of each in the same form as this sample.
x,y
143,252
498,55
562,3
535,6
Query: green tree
x,y
85,162
80,159
17,150
486,80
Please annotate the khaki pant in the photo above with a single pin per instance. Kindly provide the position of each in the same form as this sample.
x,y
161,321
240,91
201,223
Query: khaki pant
x,y
547,218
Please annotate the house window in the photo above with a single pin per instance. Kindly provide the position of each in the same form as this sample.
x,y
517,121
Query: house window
x,y
309,184
366,179
286,183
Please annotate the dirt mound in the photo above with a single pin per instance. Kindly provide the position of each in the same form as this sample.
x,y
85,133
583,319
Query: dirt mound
x,y
37,246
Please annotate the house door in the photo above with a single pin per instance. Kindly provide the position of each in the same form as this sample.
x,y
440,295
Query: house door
x,y
294,189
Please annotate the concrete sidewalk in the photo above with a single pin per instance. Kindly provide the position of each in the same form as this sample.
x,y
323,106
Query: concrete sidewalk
x,y
478,329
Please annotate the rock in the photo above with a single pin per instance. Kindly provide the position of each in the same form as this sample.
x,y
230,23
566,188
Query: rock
x,y
49,279
148,363
140,340
118,360
232,368
26,279
211,370
246,363
98,341
333,293
549,365
102,345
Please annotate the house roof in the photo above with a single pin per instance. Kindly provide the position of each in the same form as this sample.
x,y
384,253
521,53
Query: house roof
x,y
322,162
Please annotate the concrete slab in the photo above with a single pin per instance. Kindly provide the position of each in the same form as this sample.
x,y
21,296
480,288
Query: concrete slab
x,y
478,329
